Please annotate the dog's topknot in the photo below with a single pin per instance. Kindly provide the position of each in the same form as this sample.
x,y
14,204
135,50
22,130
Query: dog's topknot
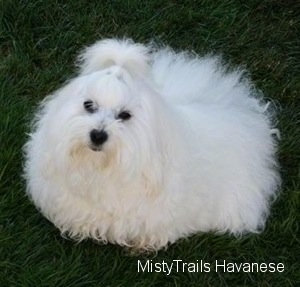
x,y
105,53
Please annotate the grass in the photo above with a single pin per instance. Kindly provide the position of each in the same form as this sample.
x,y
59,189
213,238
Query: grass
x,y
39,41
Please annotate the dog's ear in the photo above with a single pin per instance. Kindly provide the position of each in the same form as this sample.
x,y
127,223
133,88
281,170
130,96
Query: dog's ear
x,y
110,52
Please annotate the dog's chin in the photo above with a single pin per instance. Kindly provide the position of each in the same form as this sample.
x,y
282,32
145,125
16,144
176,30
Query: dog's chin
x,y
97,157
86,150
96,148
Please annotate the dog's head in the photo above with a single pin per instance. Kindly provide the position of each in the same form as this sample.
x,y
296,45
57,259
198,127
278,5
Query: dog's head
x,y
106,111
110,115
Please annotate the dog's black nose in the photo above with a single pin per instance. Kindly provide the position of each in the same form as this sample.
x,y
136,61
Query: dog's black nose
x,y
98,137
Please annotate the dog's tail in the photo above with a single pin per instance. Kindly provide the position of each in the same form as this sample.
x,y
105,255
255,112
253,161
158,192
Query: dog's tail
x,y
110,52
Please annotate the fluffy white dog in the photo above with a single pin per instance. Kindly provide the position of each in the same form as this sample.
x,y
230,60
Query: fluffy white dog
x,y
146,146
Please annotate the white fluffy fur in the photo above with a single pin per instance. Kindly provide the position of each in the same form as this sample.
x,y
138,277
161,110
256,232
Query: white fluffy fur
x,y
197,154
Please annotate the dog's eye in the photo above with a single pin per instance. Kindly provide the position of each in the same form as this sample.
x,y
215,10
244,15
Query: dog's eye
x,y
124,116
89,106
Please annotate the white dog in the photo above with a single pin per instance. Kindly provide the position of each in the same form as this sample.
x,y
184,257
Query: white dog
x,y
146,146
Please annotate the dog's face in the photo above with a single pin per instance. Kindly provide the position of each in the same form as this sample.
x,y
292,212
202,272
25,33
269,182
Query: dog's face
x,y
108,107
108,116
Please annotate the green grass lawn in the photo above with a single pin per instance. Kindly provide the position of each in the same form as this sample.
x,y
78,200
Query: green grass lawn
x,y
39,41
